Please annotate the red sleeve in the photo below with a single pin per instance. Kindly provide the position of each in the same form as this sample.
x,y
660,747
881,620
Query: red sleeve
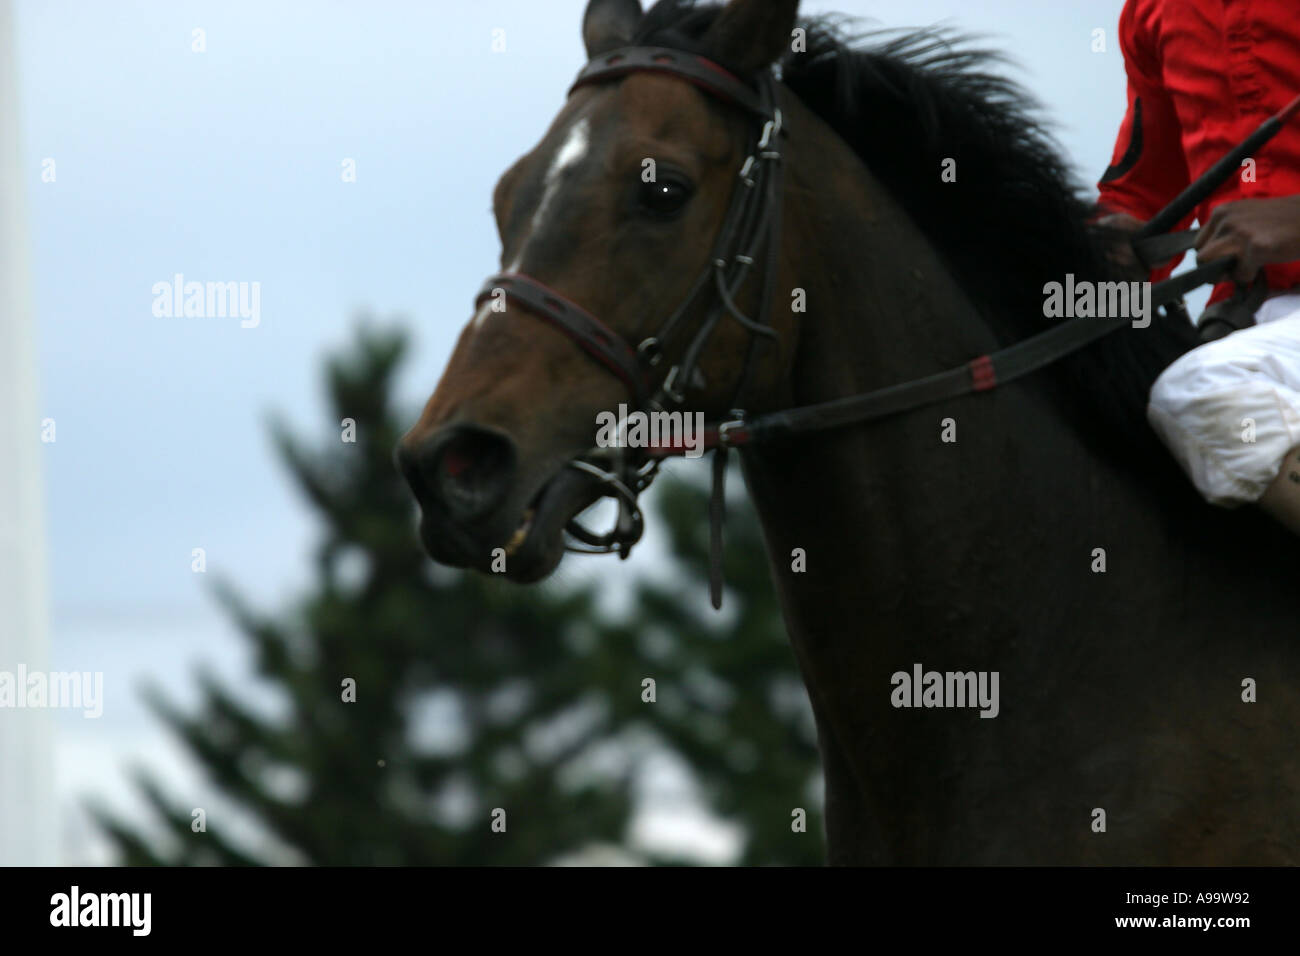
x,y
1148,167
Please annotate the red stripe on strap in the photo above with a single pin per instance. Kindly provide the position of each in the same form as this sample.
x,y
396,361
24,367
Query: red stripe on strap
x,y
983,375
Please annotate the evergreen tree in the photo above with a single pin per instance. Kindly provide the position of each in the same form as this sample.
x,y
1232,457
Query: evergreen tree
x,y
420,700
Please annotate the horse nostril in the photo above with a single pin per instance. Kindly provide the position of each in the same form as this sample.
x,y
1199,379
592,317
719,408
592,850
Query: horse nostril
x,y
466,469
404,460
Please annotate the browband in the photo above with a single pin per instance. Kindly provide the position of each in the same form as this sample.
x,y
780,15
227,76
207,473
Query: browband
x,y
690,66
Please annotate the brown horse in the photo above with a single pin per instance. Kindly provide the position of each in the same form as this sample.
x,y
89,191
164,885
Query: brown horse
x,y
1143,644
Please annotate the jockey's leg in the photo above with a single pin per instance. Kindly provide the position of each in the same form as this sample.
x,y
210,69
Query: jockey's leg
x,y
1230,413
1282,499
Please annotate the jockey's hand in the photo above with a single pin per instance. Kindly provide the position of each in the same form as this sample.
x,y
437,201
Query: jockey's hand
x,y
1122,225
1258,232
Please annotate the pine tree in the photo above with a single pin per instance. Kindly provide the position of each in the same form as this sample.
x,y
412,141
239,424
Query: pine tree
x,y
418,700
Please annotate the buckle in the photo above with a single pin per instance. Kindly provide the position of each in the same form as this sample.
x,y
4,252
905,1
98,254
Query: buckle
x,y
771,128
650,351
746,170
669,382
726,428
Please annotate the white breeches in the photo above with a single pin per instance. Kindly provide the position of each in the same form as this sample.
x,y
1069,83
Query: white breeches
x,y
1230,409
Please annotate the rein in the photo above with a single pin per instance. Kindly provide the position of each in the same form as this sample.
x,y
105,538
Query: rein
x,y
750,229
980,374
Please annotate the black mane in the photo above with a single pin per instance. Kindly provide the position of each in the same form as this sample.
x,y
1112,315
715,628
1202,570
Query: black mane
x,y
1014,219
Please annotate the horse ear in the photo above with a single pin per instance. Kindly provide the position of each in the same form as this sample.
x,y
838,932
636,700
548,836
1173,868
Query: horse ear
x,y
609,24
751,34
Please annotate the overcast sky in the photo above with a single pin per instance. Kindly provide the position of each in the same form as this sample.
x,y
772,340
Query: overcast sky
x,y
224,165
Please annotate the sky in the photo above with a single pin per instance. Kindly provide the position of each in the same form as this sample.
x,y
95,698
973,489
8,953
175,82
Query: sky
x,y
226,164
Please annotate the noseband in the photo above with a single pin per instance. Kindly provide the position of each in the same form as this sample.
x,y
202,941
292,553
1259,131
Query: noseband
x,y
750,228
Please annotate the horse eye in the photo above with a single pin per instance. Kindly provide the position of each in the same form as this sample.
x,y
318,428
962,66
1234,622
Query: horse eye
x,y
665,197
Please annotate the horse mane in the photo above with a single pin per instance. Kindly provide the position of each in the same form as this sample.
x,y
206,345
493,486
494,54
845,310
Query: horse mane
x,y
1014,219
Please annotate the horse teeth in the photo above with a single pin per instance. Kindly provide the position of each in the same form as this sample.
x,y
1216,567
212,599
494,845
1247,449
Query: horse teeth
x,y
521,533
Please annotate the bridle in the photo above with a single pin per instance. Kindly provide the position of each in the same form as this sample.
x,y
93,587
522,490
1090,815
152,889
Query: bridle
x,y
750,229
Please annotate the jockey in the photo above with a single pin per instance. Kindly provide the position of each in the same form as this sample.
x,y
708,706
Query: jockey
x,y
1202,75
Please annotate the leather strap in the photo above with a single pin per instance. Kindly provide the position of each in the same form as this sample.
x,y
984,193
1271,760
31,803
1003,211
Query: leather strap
x,y
1233,314
1157,250
652,59
1222,318
717,517
979,375
595,338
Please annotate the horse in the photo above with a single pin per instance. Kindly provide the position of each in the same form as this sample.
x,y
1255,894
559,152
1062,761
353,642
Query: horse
x,y
911,210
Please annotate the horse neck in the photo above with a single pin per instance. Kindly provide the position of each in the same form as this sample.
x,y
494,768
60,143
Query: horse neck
x,y
891,547
882,309
912,544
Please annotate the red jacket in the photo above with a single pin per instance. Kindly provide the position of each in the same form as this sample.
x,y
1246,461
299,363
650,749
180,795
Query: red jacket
x,y
1202,75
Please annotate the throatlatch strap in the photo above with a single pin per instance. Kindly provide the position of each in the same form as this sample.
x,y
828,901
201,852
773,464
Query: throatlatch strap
x,y
717,515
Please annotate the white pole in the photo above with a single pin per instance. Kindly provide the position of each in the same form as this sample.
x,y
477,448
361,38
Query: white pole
x,y
27,816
